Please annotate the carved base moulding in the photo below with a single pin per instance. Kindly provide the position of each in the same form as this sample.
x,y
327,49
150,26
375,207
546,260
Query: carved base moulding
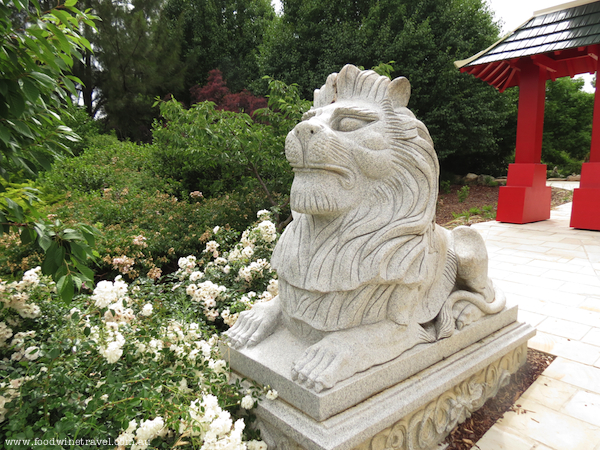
x,y
417,413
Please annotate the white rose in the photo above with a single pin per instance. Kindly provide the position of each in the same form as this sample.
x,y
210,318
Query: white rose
x,y
147,310
195,276
247,252
113,352
272,394
247,402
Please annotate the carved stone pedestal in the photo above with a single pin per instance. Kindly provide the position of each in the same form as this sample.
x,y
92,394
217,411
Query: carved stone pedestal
x,y
414,413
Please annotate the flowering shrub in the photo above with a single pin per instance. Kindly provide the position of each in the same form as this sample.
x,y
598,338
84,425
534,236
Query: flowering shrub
x,y
136,363
228,279
142,234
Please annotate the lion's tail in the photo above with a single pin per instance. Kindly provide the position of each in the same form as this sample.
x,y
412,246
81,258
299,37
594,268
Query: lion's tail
x,y
445,323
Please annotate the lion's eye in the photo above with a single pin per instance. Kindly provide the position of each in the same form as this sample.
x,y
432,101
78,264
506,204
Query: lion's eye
x,y
351,123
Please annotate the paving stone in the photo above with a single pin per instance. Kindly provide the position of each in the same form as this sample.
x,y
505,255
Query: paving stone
x,y
564,328
550,392
502,438
580,375
584,406
557,430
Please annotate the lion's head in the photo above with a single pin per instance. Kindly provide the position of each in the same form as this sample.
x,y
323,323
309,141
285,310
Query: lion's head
x,y
360,144
365,185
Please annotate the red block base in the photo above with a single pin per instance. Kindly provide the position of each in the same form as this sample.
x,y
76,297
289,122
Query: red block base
x,y
525,198
586,199
586,209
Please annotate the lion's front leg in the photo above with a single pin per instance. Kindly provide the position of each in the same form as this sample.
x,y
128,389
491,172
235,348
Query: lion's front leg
x,y
256,324
341,354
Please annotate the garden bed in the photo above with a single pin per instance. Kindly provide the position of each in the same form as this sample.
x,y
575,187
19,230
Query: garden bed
x,y
452,212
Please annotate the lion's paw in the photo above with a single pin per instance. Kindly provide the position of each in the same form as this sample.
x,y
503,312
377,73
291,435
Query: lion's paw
x,y
255,325
322,366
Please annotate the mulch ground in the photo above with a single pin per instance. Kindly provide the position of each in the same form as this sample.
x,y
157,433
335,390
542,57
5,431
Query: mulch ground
x,y
466,435
479,196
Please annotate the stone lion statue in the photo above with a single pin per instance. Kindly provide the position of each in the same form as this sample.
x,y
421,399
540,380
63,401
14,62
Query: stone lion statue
x,y
364,272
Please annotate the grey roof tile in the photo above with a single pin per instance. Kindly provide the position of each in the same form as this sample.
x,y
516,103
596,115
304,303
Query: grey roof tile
x,y
558,30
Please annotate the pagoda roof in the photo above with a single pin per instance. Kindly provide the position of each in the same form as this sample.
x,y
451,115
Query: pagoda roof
x,y
564,39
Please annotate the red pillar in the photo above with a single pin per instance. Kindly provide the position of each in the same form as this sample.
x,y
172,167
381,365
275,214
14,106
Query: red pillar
x,y
526,198
586,199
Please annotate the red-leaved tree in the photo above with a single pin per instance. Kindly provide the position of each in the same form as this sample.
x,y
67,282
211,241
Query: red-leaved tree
x,y
216,91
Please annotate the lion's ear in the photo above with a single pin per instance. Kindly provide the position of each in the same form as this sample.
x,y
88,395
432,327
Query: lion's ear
x,y
399,93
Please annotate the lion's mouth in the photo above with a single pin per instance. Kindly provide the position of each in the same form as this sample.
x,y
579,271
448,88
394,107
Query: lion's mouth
x,y
347,175
325,167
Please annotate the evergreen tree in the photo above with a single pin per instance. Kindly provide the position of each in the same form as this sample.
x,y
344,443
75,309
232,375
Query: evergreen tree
x,y
467,118
136,58
314,38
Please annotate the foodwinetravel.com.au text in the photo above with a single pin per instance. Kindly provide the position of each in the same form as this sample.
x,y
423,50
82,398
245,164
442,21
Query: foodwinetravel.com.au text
x,y
66,441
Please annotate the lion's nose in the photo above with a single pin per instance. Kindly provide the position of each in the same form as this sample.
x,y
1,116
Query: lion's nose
x,y
305,131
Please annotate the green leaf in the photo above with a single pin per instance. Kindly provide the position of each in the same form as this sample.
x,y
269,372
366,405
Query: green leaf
x,y
75,79
4,134
64,43
77,281
65,288
89,233
85,42
15,209
61,15
59,255
16,104
72,235
44,240
27,235
43,159
49,265
87,273
22,128
69,84
61,271
44,79
67,61
70,2
78,251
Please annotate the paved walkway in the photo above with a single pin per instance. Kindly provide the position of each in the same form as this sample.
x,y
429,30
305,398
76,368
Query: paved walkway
x,y
553,273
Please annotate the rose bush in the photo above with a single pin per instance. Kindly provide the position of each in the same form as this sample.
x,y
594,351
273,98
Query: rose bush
x,y
136,362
